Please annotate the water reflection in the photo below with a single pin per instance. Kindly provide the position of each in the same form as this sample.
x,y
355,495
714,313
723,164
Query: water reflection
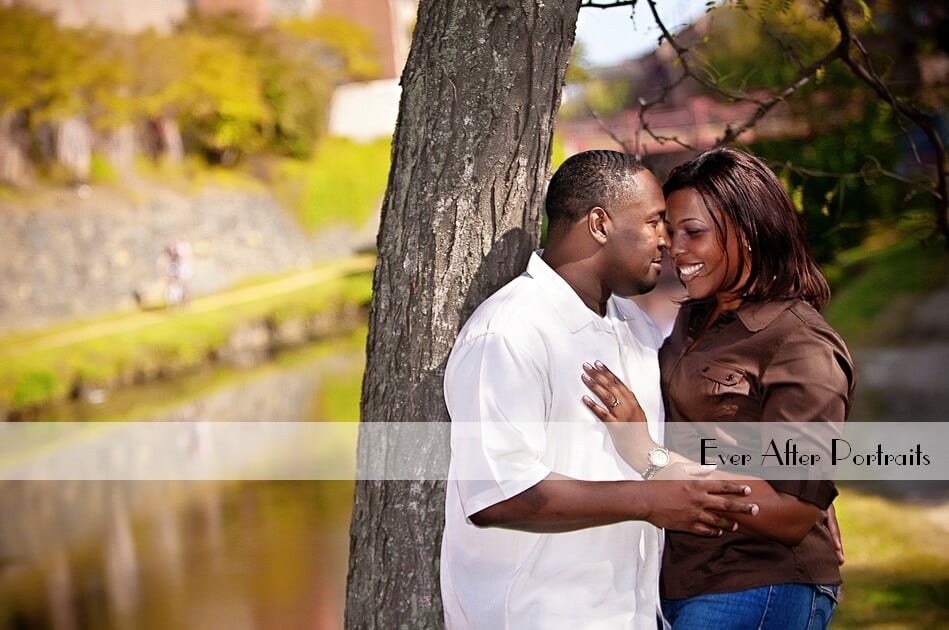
x,y
160,554
249,555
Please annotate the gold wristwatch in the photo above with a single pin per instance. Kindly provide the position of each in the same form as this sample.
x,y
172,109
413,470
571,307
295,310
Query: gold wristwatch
x,y
658,459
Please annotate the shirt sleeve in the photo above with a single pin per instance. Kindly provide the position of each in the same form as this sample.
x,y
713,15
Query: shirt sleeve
x,y
809,379
497,398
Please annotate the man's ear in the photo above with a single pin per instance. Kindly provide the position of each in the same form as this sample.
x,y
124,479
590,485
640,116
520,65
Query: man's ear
x,y
596,224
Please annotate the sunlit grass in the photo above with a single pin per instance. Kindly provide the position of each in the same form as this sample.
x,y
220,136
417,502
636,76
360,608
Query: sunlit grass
x,y
343,183
891,268
897,570
121,349
339,396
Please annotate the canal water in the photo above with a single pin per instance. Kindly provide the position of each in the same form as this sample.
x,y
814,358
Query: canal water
x,y
184,554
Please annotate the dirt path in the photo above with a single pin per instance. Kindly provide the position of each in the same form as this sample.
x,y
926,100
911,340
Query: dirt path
x,y
135,320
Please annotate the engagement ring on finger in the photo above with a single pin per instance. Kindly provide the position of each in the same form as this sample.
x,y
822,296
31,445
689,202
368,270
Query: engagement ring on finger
x,y
615,402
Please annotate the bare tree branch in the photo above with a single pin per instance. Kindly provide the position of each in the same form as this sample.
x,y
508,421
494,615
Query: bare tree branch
x,y
595,4
850,51
864,71
608,131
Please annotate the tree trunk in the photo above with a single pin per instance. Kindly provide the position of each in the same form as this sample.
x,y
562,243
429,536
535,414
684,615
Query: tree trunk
x,y
170,137
14,144
470,160
74,147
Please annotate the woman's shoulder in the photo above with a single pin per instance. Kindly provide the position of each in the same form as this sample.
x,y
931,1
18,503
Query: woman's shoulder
x,y
806,316
804,324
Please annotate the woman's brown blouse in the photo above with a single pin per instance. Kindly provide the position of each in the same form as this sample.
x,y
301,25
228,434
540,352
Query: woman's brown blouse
x,y
769,361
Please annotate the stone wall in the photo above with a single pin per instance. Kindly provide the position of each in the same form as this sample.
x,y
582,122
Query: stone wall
x,y
87,252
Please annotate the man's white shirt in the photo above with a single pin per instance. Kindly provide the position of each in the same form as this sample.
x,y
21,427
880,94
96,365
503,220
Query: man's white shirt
x,y
513,390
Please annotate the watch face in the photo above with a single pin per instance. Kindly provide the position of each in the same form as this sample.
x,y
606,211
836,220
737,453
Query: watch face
x,y
659,457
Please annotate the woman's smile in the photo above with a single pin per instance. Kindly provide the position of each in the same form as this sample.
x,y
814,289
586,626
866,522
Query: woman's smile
x,y
688,272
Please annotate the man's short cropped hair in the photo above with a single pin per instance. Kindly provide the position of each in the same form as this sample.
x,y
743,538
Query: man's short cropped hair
x,y
587,180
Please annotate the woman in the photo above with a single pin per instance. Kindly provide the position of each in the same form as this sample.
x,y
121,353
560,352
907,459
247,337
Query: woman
x,y
748,345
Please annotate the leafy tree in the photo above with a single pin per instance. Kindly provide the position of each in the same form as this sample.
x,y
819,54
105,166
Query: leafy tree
x,y
835,65
220,99
231,89
349,45
851,132
47,71
297,64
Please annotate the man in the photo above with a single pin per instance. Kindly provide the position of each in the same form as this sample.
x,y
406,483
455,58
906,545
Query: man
x,y
546,526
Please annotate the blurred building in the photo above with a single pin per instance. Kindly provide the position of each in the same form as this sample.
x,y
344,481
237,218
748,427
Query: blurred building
x,y
129,17
389,22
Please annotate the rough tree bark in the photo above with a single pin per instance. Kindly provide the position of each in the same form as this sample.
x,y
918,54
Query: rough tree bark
x,y
461,214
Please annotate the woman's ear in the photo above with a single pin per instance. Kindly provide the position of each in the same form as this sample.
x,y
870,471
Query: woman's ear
x,y
596,224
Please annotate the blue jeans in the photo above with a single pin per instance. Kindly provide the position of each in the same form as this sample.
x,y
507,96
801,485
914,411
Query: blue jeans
x,y
777,607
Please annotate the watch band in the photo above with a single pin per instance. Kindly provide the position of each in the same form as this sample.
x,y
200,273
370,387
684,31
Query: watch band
x,y
653,467
651,471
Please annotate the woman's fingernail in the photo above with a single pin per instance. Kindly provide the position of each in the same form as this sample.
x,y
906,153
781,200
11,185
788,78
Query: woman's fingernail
x,y
587,366
585,378
600,365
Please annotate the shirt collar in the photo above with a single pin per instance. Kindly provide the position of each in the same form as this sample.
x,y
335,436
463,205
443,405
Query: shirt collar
x,y
565,300
624,309
756,316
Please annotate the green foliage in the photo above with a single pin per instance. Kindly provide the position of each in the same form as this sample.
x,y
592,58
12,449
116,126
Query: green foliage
x,y
835,174
578,67
777,38
350,46
836,181
607,97
338,400
292,68
343,183
221,105
52,73
100,171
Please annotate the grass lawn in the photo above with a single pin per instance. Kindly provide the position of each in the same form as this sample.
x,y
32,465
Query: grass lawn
x,y
897,569
873,284
41,366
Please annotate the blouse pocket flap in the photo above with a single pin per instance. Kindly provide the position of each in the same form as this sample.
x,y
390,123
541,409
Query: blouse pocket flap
x,y
723,374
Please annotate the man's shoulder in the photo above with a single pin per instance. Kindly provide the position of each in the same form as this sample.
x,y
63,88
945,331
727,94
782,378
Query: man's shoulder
x,y
514,306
